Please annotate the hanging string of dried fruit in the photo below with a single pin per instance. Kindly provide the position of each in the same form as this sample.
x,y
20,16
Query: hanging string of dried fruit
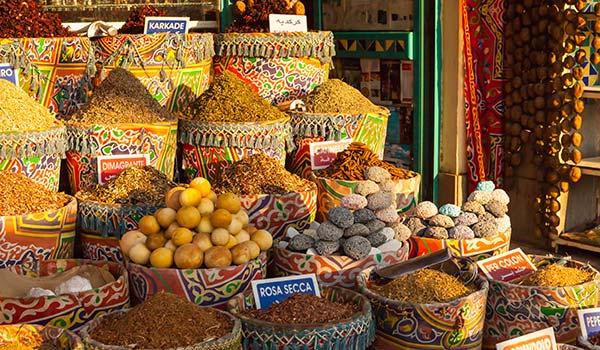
x,y
253,15
543,105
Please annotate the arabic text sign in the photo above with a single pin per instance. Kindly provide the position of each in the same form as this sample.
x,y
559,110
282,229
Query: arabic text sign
x,y
111,166
540,340
507,266
9,73
323,153
275,290
589,321
177,25
287,23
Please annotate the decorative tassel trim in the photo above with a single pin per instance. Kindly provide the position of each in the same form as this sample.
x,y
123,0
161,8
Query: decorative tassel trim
x,y
34,143
332,127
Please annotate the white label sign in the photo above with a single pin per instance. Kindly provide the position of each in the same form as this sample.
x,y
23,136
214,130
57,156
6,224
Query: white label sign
x,y
111,166
540,340
287,23
322,154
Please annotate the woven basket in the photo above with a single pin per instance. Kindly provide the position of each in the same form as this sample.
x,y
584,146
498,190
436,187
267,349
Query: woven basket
x,y
403,325
354,334
11,337
515,310
69,311
209,147
230,341
282,67
369,129
38,236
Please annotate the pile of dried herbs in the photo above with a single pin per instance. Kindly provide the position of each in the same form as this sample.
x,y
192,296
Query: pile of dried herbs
x,y
135,185
165,321
259,174
335,96
424,287
20,195
305,309
557,275
230,100
19,112
121,98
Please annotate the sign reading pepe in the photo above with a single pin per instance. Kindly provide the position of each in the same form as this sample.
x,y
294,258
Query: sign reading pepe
x,y
178,25
275,290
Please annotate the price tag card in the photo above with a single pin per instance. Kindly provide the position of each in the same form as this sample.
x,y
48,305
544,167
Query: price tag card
x,y
540,340
323,153
111,166
178,25
275,290
589,321
508,266
9,73
287,23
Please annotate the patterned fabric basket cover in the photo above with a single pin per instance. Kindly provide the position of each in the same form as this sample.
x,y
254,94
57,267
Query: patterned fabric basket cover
x,y
100,227
23,336
205,287
585,344
332,191
355,334
55,71
514,310
369,129
40,236
87,143
175,68
208,147
35,154
276,213
281,67
427,326
474,249
69,311
340,271
231,341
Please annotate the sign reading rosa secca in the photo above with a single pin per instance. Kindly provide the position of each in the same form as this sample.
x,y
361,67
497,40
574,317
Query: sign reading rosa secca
x,y
8,73
178,25
275,290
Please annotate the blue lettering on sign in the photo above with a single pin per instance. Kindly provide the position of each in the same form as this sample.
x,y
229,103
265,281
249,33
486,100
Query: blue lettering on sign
x,y
592,321
7,72
178,26
276,290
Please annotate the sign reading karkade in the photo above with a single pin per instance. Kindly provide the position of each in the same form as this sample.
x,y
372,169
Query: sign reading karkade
x,y
507,266
112,166
540,340
179,25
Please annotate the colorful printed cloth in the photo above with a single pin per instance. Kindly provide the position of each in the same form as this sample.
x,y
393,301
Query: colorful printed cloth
x,y
483,28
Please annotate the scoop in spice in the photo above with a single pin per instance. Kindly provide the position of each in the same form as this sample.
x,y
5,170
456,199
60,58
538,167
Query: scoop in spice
x,y
20,195
335,96
557,275
19,112
165,321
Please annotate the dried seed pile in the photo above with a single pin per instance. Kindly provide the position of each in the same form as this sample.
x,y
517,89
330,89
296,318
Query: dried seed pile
x,y
557,275
136,20
230,100
25,19
135,185
335,96
259,174
19,112
305,309
165,321
352,163
122,98
20,195
424,287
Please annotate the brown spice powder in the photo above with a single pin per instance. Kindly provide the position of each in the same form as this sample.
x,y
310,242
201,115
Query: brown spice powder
x,y
259,174
122,98
424,287
20,195
557,275
164,321
135,185
352,163
304,309
19,112
335,96
230,100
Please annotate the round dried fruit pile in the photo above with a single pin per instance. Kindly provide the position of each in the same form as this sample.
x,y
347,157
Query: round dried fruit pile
x,y
196,229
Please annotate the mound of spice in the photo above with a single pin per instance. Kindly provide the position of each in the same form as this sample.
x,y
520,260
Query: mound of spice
x,y
230,100
20,195
137,18
135,185
121,98
25,19
424,287
335,96
557,275
259,174
351,164
165,321
304,309
19,112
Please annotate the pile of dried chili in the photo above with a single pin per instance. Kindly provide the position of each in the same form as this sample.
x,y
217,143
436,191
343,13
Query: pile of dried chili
x,y
137,18
25,19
